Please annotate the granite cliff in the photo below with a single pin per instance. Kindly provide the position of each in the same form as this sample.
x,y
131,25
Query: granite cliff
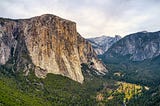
x,y
47,44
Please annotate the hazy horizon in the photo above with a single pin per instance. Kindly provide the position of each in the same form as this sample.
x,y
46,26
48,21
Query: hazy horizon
x,y
93,17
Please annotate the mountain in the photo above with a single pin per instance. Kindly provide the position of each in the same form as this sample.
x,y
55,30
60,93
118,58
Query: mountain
x,y
136,58
45,61
103,43
139,46
46,44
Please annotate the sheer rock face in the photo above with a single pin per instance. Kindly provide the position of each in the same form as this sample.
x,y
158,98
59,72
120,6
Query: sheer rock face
x,y
139,46
88,55
51,42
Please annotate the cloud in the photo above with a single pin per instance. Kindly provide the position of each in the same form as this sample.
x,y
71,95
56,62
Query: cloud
x,y
93,17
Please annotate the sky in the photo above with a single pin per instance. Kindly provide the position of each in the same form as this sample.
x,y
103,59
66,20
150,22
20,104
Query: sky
x,y
93,17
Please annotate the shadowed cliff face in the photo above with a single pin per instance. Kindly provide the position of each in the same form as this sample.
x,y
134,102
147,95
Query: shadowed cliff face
x,y
103,43
139,46
88,55
51,42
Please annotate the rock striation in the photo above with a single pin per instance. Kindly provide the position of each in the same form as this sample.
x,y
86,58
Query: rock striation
x,y
50,43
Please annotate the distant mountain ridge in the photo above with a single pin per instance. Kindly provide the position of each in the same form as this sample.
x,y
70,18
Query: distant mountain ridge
x,y
103,43
140,46
136,57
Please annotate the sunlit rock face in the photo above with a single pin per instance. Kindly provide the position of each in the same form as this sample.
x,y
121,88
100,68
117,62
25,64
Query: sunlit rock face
x,y
52,44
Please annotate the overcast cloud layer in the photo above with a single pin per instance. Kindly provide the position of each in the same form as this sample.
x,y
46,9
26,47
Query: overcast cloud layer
x,y
93,17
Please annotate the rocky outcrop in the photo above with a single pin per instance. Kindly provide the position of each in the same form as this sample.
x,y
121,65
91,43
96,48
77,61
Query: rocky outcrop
x,y
103,43
138,46
51,43
88,55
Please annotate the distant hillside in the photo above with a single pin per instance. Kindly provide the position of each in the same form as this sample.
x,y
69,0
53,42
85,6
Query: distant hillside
x,y
139,46
136,57
103,43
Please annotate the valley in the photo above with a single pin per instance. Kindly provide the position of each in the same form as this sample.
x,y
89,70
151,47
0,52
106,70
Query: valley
x,y
44,61
59,90
135,59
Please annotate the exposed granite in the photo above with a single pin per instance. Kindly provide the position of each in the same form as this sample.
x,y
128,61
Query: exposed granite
x,y
52,44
